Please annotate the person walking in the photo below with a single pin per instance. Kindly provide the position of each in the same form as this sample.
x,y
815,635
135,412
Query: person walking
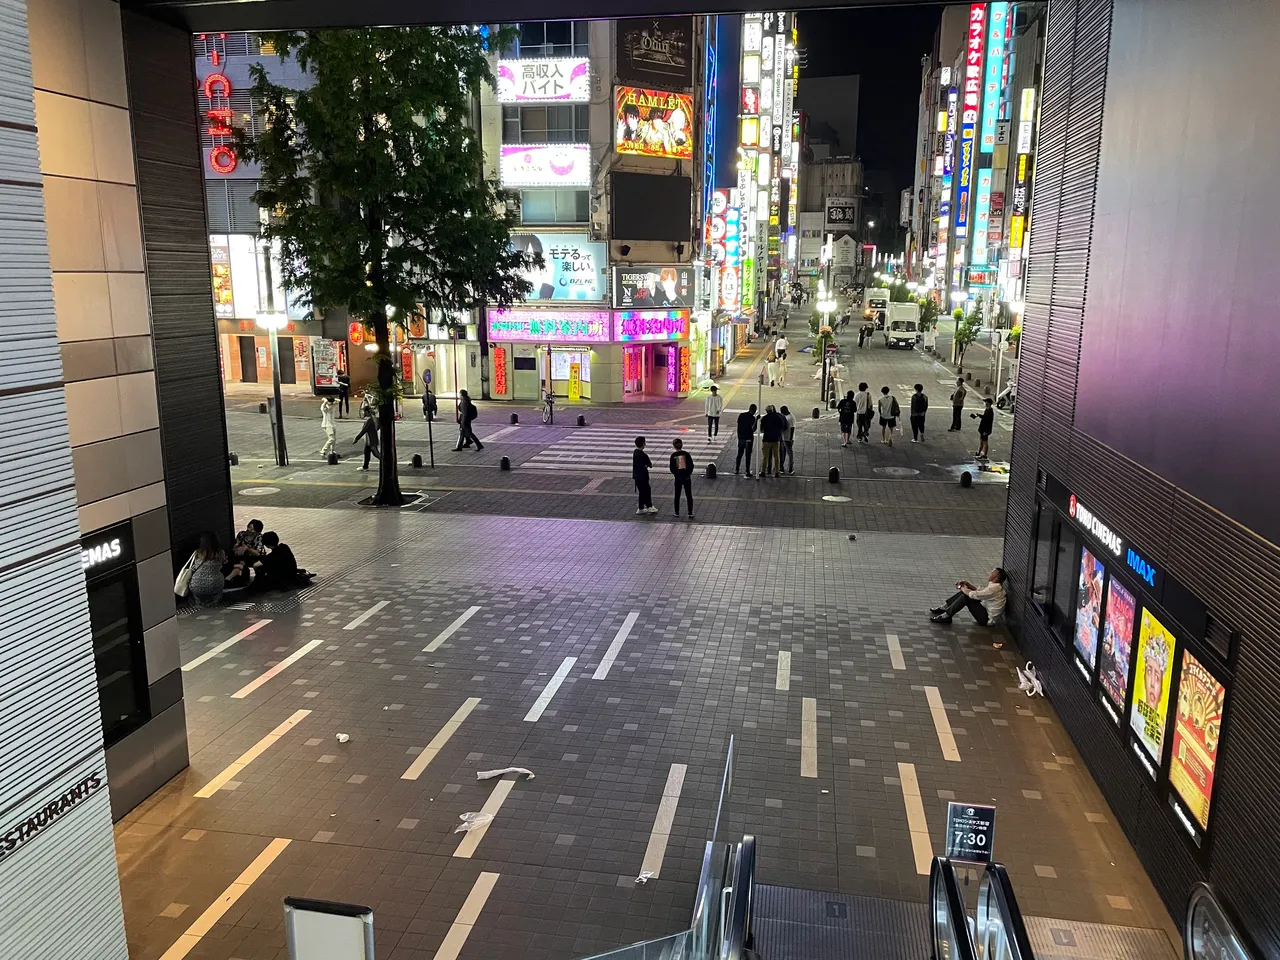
x,y
780,347
467,414
640,464
344,393
889,413
957,404
772,365
746,439
986,421
712,407
772,427
847,411
866,331
369,432
789,441
863,409
919,406
330,430
682,470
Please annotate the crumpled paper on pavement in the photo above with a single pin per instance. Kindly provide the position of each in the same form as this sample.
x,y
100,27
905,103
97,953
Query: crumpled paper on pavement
x,y
490,774
470,821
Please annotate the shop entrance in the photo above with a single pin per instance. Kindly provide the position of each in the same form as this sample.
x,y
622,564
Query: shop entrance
x,y
569,370
248,360
651,370
288,368
453,367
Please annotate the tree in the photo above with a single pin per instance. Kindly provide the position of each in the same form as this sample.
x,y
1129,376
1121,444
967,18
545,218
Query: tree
x,y
928,313
966,333
374,182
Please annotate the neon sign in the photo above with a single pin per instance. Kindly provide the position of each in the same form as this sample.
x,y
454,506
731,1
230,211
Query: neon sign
x,y
971,102
995,69
1087,519
549,326
222,156
641,325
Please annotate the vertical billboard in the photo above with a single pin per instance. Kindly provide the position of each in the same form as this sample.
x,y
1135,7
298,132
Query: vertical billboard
x,y
656,51
223,300
981,217
998,17
1149,713
1117,646
1088,609
970,110
1196,731
653,123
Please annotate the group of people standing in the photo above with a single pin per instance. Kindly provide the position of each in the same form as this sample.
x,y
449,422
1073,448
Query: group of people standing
x,y
777,440
859,407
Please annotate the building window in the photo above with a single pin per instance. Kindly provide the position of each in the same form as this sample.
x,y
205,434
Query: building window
x,y
554,206
1042,558
552,38
549,124
118,655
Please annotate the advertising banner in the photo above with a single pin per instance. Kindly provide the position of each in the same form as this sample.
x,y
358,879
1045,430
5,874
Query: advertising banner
x,y
545,165
656,50
997,17
970,109
653,285
1196,730
1117,645
1088,608
551,80
223,301
575,382
653,123
841,214
748,286
1150,709
573,266
981,218
549,326
631,326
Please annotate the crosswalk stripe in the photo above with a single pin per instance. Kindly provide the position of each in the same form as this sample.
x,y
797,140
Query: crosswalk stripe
x,y
607,449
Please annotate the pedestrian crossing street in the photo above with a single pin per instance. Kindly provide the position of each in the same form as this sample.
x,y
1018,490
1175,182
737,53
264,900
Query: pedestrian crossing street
x,y
607,450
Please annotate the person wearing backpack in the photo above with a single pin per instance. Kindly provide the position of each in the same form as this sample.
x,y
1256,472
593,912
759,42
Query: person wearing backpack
x,y
847,410
682,470
889,413
919,407
467,414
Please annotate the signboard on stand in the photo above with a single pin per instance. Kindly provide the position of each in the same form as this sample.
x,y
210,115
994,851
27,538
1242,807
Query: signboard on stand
x,y
971,831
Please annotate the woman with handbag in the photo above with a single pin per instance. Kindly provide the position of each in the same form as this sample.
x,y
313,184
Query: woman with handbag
x,y
204,577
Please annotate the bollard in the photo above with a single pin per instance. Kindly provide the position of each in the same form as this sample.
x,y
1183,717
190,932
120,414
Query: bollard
x,y
582,420
977,384
235,460
515,418
968,376
966,479
833,475
262,408
417,461
816,413
711,471
504,463
332,458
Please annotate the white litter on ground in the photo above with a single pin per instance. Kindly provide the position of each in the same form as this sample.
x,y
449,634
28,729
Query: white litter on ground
x,y
1029,681
343,737
490,774
470,821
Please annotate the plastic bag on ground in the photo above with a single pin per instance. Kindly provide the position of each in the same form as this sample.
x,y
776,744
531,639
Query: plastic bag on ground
x,y
490,774
470,821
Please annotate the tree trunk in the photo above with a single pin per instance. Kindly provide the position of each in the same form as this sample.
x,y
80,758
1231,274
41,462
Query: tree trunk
x,y
388,494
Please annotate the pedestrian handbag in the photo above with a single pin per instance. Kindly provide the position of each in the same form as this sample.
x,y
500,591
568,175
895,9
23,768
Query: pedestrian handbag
x,y
182,586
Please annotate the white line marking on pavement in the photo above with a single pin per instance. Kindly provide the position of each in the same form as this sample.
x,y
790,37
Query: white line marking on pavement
x,y
213,652
943,725
460,929
895,651
471,839
916,822
204,923
809,738
366,615
592,484
661,834
284,664
549,691
440,739
502,433
250,755
611,655
451,629
784,670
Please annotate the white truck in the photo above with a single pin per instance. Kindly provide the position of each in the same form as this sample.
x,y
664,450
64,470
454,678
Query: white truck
x,y
902,325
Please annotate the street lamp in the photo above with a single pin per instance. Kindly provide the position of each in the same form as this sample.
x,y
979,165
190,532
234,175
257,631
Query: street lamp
x,y
273,323
871,224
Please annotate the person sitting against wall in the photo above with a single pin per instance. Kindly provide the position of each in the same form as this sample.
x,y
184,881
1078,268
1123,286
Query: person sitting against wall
x,y
278,569
985,603
249,540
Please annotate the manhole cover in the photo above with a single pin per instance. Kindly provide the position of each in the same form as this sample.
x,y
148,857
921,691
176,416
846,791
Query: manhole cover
x,y
896,471
259,491
834,499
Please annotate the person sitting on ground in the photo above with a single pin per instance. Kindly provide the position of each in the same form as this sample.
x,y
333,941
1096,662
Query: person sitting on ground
x,y
278,570
984,603
249,540
207,579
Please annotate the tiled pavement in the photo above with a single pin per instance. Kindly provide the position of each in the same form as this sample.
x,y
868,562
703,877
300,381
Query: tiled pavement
x,y
715,608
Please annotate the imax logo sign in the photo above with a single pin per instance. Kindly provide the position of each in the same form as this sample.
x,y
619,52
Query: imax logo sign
x,y
1140,566
1086,518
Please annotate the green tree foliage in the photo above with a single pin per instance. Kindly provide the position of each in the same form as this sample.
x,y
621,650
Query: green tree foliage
x,y
373,179
928,313
966,333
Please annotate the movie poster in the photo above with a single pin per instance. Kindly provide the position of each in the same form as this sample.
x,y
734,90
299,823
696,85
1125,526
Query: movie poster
x,y
643,287
653,123
1195,737
1117,643
1088,607
223,304
1150,711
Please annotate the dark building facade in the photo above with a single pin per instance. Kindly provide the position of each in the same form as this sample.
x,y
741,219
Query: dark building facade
x,y
1140,539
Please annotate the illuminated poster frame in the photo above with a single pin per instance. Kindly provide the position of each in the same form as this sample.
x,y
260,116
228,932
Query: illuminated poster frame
x,y
970,110
997,18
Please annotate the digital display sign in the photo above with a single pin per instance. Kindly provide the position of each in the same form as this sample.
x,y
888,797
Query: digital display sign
x,y
572,266
1196,731
970,108
631,326
654,285
981,218
549,80
1088,608
1149,713
998,17
653,123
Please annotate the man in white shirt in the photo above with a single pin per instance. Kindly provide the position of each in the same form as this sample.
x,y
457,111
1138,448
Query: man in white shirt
x,y
330,428
862,407
984,603
789,441
712,407
780,351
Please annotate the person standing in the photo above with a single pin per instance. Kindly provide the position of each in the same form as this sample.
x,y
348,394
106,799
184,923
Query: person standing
x,y
330,430
780,347
682,470
863,407
771,429
772,365
789,441
640,464
746,439
369,432
344,393
889,413
986,421
919,406
847,411
429,406
712,407
467,414
957,404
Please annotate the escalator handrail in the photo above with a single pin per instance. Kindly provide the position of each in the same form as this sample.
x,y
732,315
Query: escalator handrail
x,y
943,873
1001,887
737,930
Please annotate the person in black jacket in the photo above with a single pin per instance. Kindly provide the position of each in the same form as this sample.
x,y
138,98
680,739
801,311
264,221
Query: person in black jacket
x,y
682,470
846,409
919,406
344,394
640,464
467,412
985,423
746,438
278,570
772,426
369,431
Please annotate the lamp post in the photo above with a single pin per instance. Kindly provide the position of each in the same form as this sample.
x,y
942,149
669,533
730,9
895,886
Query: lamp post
x,y
826,304
273,323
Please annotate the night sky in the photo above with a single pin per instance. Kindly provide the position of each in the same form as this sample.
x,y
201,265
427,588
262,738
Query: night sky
x,y
883,46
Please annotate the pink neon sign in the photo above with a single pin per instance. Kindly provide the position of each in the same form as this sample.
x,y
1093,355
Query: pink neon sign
x,y
640,325
550,326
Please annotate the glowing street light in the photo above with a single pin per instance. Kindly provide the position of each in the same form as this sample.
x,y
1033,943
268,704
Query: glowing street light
x,y
273,323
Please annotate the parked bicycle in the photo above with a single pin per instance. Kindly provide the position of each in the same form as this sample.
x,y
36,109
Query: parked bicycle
x,y
548,407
